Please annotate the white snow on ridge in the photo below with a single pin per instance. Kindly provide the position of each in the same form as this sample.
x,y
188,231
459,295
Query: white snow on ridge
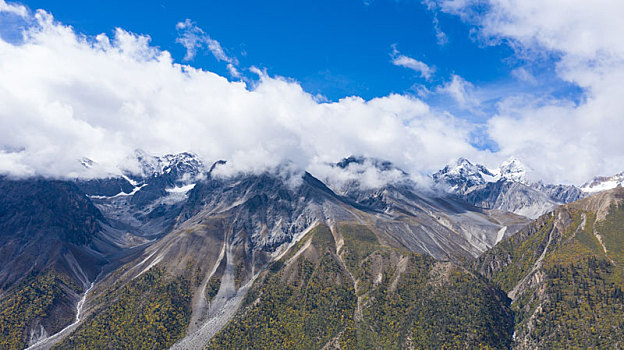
x,y
176,194
154,165
600,184
514,170
120,194
182,189
132,182
476,174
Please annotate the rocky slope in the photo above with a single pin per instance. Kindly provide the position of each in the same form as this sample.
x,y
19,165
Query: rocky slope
x,y
58,236
173,255
564,274
230,230
437,224
189,259
48,256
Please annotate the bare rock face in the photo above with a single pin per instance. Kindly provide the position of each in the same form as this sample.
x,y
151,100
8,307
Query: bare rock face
x,y
560,193
513,197
45,223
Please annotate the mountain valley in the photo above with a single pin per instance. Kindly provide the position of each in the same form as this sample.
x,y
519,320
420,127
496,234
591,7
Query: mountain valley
x,y
175,255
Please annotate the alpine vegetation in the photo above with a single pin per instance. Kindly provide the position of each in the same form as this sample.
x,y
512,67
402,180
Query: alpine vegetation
x,y
311,175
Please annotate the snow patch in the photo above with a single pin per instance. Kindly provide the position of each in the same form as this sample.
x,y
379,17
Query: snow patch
x,y
121,194
181,189
600,184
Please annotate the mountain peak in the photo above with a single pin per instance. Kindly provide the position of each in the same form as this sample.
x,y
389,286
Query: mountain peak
x,y
462,175
514,170
182,163
357,173
506,187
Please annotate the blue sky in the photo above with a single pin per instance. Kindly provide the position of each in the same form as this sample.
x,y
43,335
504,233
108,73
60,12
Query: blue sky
x,y
419,83
334,48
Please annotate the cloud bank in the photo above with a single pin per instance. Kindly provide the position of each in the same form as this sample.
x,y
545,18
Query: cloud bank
x,y
65,96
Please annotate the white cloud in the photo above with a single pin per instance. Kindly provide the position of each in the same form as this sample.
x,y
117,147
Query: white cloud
x,y
522,74
365,175
193,38
566,140
64,96
15,9
460,90
441,37
407,62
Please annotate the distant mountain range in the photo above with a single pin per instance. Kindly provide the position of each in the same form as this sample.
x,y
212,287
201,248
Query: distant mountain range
x,y
603,183
508,187
171,254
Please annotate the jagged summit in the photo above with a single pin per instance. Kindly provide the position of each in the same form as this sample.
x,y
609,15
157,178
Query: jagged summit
x,y
506,188
513,170
462,175
178,164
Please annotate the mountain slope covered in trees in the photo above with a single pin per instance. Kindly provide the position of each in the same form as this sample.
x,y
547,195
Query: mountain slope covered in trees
x,y
340,287
565,274
186,259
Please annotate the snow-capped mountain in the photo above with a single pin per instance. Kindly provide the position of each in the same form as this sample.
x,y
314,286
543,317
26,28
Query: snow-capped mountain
x,y
513,170
178,164
603,183
144,203
227,235
505,188
462,176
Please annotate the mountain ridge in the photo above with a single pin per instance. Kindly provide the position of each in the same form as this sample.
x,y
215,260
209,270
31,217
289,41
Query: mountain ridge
x,y
187,249
564,275
506,188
